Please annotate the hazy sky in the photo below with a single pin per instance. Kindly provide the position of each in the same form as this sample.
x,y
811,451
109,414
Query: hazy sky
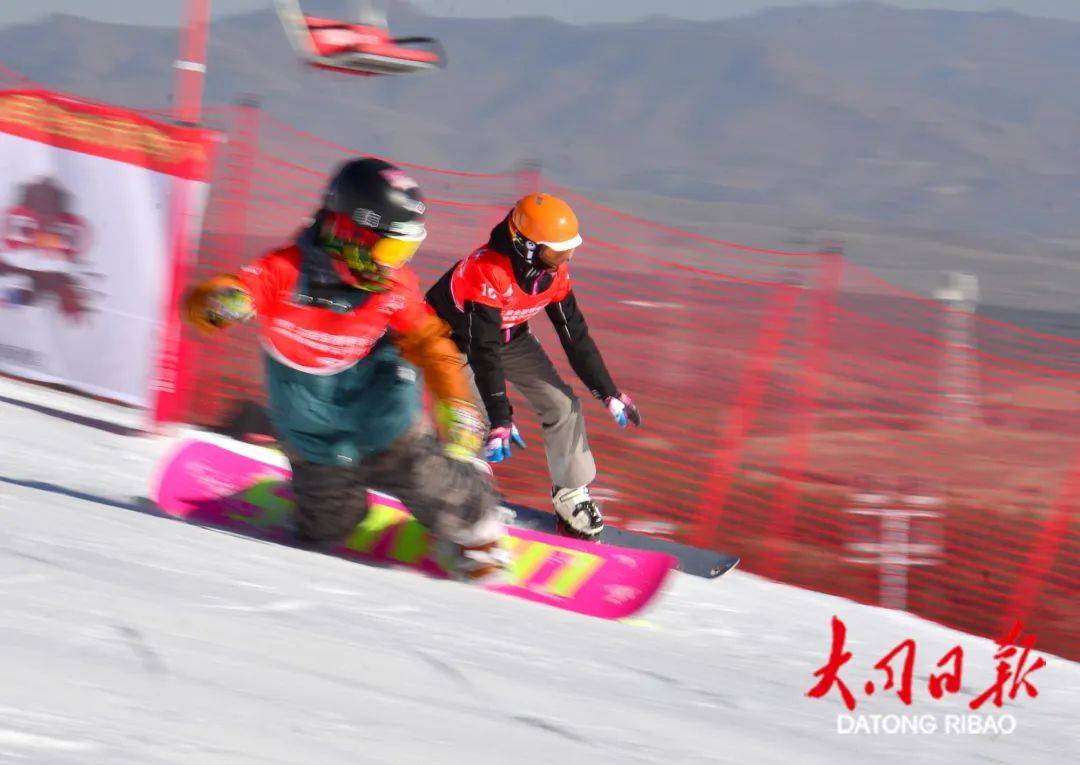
x,y
167,12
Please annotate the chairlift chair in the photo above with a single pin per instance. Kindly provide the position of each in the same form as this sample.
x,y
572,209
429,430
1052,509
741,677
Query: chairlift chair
x,y
364,48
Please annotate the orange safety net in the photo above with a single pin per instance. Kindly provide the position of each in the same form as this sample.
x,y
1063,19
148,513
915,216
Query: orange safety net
x,y
836,432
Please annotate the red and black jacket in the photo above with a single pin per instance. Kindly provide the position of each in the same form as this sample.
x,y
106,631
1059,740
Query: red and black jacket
x,y
488,299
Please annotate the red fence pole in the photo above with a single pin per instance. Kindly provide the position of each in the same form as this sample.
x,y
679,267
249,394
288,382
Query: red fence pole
x,y
234,186
172,358
172,362
793,464
191,66
741,415
1045,548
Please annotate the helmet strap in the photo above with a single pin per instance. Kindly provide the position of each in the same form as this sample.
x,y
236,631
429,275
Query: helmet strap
x,y
527,249
524,247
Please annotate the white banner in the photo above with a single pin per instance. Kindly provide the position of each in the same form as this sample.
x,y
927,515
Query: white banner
x,y
86,258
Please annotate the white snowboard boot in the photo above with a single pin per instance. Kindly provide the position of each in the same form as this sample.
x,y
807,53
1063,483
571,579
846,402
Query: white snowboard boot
x,y
481,564
577,513
477,554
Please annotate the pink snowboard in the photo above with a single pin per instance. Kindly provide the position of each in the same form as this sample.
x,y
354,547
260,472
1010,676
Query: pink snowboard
x,y
247,490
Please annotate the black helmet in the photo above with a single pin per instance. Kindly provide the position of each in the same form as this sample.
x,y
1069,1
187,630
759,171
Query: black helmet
x,y
378,196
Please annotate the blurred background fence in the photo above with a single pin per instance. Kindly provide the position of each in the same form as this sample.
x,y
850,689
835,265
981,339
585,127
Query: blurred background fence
x,y
835,431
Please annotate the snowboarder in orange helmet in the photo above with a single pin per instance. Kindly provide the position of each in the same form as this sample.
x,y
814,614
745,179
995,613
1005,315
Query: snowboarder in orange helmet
x,y
488,299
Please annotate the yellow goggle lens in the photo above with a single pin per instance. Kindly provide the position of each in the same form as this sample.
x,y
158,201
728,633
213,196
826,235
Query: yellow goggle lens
x,y
394,253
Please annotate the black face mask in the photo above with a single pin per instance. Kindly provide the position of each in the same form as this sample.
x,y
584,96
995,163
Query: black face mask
x,y
530,278
320,284
529,272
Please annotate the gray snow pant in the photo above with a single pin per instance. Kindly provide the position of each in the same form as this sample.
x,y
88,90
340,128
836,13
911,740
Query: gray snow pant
x,y
452,498
529,369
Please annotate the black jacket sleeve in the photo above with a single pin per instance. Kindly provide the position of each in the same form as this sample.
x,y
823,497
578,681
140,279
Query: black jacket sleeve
x,y
483,346
580,348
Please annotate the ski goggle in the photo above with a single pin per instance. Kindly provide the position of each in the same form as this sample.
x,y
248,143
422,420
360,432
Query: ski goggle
x,y
553,258
394,252
363,249
550,255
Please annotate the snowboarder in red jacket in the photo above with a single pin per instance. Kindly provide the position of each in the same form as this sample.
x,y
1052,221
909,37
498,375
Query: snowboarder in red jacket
x,y
341,317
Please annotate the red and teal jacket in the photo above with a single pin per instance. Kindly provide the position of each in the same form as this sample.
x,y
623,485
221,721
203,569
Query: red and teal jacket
x,y
337,383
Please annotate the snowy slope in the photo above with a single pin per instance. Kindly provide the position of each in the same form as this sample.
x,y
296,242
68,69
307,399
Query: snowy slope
x,y
130,638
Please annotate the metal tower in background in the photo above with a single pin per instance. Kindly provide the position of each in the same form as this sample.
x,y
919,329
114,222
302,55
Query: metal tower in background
x,y
959,367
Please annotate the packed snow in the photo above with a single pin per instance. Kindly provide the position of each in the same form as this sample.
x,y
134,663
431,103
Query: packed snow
x,y
126,637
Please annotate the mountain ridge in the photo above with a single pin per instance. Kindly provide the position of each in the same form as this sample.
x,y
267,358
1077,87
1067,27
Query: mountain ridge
x,y
914,120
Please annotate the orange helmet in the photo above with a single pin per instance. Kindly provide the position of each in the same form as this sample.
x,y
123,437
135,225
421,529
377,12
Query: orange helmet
x,y
545,220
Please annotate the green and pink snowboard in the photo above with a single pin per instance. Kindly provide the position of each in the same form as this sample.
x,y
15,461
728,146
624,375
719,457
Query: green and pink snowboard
x,y
246,489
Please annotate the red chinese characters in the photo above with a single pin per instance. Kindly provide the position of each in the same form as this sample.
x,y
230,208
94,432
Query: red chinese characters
x,y
948,682
885,665
898,666
829,674
1007,649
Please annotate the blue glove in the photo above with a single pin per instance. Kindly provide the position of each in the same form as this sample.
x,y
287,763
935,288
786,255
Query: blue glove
x,y
622,409
499,440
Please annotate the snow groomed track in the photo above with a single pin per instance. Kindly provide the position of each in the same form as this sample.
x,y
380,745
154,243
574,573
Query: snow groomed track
x,y
131,638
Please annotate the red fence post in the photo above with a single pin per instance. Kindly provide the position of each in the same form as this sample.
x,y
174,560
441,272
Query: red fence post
x,y
742,413
168,385
191,66
172,366
793,464
234,185
1045,548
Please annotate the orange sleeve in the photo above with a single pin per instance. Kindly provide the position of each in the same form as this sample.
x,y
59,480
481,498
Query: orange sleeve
x,y
430,348
424,341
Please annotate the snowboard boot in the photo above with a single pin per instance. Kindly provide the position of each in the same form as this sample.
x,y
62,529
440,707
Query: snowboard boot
x,y
576,514
482,564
